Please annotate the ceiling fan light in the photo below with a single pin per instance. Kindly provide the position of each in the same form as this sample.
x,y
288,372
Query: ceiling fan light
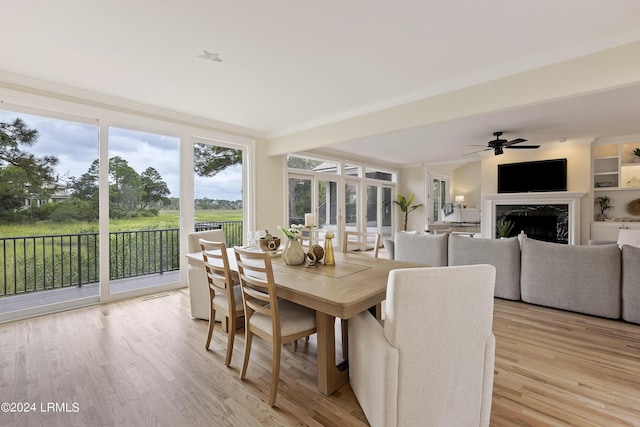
x,y
498,151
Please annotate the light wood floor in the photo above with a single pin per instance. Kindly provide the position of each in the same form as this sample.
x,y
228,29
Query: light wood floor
x,y
138,363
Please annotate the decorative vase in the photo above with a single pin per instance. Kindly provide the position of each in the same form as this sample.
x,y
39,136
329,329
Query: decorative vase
x,y
293,254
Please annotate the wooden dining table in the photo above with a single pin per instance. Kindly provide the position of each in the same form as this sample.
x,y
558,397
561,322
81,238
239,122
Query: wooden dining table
x,y
356,283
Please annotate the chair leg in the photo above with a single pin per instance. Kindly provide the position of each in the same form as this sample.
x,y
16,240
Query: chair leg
x,y
231,334
275,374
247,350
344,326
212,322
295,345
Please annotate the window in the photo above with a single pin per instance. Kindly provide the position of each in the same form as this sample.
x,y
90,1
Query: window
x,y
144,209
218,189
338,194
49,214
134,198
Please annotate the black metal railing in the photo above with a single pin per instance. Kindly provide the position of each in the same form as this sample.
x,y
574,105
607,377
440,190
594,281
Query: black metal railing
x,y
38,263
138,253
232,230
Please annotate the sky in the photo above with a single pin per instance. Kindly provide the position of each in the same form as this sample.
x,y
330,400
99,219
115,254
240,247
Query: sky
x,y
76,147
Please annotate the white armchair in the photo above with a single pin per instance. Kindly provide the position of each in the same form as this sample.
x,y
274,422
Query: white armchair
x,y
197,276
432,361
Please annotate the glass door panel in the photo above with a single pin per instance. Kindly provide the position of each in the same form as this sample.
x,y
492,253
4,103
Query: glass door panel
x,y
218,196
439,189
372,209
387,209
144,241
351,207
300,199
328,207
49,251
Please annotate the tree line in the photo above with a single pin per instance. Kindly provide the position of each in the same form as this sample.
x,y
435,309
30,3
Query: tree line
x,y
24,176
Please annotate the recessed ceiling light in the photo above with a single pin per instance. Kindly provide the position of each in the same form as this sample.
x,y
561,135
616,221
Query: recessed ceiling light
x,y
213,57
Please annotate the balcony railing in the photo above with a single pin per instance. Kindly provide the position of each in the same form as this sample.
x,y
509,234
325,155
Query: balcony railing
x,y
38,263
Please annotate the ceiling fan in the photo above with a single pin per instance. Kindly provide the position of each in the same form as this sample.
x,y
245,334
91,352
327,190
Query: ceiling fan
x,y
497,145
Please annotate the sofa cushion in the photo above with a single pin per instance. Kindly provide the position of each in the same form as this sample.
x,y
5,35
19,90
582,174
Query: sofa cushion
x,y
584,279
427,249
503,254
631,284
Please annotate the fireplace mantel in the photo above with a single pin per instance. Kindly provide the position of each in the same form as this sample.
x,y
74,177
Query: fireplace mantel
x,y
572,199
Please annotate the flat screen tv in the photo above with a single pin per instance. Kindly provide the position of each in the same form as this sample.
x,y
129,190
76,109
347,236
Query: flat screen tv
x,y
538,176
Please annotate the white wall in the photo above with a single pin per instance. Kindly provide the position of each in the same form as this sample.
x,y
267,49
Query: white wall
x,y
411,181
270,189
467,183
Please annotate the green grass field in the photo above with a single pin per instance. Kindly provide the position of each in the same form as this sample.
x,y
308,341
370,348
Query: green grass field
x,y
166,219
44,254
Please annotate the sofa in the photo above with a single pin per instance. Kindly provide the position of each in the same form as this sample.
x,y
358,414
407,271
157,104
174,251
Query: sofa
x,y
599,280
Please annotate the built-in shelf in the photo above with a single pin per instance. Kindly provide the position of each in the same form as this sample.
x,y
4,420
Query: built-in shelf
x,y
614,167
615,175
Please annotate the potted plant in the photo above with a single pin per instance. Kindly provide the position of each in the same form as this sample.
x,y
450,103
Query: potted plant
x,y
504,227
406,207
605,206
636,152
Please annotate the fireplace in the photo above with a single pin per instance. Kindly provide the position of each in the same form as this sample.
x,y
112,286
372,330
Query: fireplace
x,y
540,222
549,216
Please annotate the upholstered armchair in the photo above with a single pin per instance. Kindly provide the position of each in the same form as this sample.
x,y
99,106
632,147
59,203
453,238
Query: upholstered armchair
x,y
197,276
432,361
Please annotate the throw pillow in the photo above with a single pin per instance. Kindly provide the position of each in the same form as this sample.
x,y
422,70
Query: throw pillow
x,y
630,237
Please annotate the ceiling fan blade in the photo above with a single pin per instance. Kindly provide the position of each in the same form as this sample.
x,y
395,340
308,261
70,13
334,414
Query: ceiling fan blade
x,y
515,141
522,146
479,151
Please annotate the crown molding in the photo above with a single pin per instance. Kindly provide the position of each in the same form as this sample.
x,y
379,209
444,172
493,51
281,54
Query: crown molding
x,y
49,95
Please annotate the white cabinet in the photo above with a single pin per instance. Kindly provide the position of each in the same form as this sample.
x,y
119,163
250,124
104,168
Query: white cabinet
x,y
609,230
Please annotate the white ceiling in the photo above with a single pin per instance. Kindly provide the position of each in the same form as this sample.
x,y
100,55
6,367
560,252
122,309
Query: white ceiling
x,y
289,66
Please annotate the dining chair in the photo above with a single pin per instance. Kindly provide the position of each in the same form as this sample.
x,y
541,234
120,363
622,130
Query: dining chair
x,y
275,320
363,242
312,236
442,375
224,296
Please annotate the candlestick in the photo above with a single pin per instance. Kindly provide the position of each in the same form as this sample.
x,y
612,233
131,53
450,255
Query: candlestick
x,y
329,260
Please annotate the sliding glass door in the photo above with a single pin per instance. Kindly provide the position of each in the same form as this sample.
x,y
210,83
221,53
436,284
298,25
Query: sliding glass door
x,y
49,251
218,189
144,199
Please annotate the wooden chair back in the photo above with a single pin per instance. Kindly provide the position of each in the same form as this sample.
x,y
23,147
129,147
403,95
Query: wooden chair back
x,y
263,310
223,293
258,286
216,263
354,240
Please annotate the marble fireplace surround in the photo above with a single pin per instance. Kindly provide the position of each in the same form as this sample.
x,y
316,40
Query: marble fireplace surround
x,y
570,199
